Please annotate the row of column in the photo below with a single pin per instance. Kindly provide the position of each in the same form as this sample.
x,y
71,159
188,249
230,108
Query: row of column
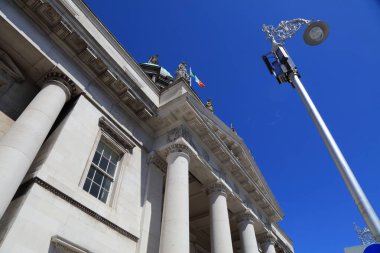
x,y
175,216
19,146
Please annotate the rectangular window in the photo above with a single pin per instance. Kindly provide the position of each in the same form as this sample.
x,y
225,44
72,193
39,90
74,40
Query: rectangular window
x,y
101,174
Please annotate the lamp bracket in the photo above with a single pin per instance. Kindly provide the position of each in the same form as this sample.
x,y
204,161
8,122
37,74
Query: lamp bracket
x,y
285,30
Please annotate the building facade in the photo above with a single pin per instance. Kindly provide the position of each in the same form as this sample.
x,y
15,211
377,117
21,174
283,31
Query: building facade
x,y
101,154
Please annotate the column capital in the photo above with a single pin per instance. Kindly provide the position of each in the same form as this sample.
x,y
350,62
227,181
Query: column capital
x,y
157,161
267,238
217,187
61,80
245,217
178,148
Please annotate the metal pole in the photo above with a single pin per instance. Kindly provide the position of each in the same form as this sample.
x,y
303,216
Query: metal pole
x,y
356,191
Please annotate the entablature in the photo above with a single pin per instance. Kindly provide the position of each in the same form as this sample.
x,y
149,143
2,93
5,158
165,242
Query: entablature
x,y
96,51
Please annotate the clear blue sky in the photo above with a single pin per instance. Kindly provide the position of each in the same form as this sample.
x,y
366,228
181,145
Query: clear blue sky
x,y
223,43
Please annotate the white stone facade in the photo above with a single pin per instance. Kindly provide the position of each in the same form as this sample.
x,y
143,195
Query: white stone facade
x,y
94,157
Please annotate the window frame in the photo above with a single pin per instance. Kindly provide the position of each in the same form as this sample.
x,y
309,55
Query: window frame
x,y
120,153
119,143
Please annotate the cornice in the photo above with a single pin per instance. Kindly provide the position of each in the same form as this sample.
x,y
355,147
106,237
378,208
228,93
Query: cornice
x,y
114,42
116,134
72,37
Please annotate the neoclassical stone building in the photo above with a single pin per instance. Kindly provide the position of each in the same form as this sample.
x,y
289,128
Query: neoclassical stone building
x,y
101,154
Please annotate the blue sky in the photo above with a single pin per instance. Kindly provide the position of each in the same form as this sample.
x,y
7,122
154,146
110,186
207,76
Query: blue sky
x,y
223,43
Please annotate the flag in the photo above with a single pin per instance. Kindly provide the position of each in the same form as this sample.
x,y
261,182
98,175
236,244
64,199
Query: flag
x,y
200,83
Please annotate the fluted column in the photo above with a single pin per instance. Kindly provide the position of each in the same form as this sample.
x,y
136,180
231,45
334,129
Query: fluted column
x,y
220,232
19,146
175,234
247,234
267,243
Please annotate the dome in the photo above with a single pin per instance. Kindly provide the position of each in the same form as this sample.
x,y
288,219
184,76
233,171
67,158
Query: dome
x,y
163,71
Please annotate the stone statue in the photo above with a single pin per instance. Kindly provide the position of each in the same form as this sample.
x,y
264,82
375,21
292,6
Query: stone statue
x,y
233,129
9,67
153,59
182,72
209,105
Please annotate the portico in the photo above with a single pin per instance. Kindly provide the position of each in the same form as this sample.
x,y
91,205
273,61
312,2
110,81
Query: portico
x,y
217,215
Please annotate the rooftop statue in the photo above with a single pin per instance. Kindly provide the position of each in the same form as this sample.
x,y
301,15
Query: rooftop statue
x,y
153,59
209,105
182,72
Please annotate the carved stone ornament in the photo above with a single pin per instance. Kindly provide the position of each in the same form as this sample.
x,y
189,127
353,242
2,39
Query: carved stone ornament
x,y
178,148
209,105
218,188
157,161
182,72
267,238
116,134
52,21
8,66
179,132
63,79
246,217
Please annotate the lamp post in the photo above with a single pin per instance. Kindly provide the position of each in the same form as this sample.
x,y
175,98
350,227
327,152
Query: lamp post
x,y
283,68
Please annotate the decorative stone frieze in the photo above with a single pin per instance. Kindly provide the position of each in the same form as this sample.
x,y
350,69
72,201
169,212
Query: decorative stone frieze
x,y
52,21
62,30
76,42
116,134
110,78
48,14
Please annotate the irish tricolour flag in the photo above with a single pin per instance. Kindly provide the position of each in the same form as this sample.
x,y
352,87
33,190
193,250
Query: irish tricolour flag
x,y
196,79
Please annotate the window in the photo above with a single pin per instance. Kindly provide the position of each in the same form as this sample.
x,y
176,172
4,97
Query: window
x,y
105,165
101,174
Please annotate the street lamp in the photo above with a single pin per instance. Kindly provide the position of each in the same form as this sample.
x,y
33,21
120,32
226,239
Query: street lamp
x,y
280,65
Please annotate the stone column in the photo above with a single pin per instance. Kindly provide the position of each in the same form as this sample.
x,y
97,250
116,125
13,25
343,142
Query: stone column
x,y
267,243
175,233
220,232
19,146
247,234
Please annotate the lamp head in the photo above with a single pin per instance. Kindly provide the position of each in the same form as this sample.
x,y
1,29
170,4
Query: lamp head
x,y
315,33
